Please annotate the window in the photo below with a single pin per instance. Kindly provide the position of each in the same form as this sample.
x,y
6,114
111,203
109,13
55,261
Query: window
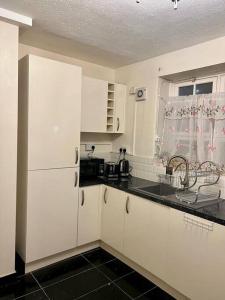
x,y
196,87
193,126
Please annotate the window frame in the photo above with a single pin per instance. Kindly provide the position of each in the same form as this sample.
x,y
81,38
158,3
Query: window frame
x,y
174,87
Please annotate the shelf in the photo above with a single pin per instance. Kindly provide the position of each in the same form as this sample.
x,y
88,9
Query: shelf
x,y
110,107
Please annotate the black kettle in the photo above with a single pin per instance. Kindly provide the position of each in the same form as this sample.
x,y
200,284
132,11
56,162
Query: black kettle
x,y
124,166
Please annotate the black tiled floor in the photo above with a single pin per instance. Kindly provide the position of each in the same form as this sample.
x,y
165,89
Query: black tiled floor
x,y
98,256
94,275
115,269
11,288
156,294
62,270
77,286
108,292
134,284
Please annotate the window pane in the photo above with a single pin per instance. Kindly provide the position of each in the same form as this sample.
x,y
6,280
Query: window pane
x,y
186,90
204,88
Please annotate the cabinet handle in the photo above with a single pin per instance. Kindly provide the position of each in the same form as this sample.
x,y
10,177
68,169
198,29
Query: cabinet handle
x,y
82,198
105,195
76,155
118,124
127,204
76,179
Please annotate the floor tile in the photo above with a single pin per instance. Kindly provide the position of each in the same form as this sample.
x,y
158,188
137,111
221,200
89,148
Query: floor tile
x,y
156,294
61,270
11,288
39,295
76,286
115,269
109,292
134,284
98,256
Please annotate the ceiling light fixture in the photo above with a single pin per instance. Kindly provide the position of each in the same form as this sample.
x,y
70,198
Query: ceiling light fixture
x,y
175,4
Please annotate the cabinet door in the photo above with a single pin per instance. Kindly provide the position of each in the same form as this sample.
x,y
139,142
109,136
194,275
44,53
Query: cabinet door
x,y
120,105
187,248
113,213
89,215
52,206
53,114
213,262
146,234
94,105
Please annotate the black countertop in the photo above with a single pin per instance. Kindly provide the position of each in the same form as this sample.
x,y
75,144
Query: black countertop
x,y
214,213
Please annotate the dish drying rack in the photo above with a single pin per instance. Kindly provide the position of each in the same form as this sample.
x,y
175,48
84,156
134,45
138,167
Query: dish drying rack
x,y
203,183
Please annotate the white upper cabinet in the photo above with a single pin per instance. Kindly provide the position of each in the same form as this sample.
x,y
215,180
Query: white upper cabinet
x,y
54,109
146,234
94,105
89,219
103,106
113,214
120,106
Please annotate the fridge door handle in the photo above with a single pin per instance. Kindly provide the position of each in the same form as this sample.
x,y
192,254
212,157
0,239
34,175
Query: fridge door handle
x,y
118,124
76,155
82,198
76,179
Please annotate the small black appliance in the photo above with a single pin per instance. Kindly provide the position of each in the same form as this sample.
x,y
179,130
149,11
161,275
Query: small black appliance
x,y
91,168
124,166
111,170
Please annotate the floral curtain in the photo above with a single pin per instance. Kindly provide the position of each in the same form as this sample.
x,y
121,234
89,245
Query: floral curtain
x,y
194,126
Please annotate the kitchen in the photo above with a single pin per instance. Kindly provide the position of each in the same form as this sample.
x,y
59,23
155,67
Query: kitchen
x,y
91,206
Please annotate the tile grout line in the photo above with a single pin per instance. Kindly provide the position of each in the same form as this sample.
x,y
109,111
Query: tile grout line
x,y
39,285
112,281
98,288
38,290
138,297
59,281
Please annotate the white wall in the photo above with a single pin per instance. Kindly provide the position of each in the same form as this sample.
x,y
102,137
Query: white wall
x,y
141,117
8,147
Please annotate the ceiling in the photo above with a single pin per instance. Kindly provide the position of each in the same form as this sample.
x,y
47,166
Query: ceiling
x,y
118,32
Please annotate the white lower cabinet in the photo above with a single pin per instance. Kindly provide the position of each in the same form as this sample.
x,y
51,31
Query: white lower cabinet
x,y
113,214
89,213
195,264
52,205
214,264
146,234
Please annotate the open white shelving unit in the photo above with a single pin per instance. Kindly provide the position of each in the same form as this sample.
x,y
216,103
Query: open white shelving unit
x,y
110,107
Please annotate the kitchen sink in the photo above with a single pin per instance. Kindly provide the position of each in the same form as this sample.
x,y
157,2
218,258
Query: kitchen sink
x,y
160,189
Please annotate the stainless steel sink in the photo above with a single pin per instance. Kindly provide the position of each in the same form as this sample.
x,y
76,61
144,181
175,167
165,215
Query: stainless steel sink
x,y
168,192
160,189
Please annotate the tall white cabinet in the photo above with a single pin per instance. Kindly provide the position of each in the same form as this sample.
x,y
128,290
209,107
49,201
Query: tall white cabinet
x,y
8,148
48,157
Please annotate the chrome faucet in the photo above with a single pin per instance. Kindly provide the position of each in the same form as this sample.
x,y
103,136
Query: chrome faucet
x,y
169,170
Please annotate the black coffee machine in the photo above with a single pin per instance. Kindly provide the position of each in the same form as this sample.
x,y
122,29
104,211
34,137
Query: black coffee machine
x,y
124,166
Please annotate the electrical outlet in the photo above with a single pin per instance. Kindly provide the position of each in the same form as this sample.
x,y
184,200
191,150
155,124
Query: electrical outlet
x,y
88,147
